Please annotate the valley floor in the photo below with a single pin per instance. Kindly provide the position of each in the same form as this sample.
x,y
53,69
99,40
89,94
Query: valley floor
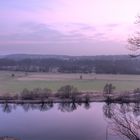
x,y
88,83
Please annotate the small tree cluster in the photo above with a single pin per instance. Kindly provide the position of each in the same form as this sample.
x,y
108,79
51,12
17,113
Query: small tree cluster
x,y
137,90
36,93
12,75
108,89
67,91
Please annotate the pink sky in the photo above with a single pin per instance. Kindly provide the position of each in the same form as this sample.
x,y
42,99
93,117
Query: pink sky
x,y
63,26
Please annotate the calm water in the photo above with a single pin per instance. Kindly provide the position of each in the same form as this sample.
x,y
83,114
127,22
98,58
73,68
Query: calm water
x,y
63,121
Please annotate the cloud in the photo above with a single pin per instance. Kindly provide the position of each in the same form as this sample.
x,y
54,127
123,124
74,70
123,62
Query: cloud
x,y
38,33
80,39
116,32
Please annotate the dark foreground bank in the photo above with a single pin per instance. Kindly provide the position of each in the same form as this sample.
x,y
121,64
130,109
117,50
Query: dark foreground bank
x,y
82,97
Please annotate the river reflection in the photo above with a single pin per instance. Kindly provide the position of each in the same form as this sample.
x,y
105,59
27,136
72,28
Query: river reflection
x,y
64,106
70,121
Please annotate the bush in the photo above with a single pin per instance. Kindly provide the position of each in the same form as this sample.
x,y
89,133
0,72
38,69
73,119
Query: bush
x,y
67,91
45,93
108,89
12,75
137,90
26,94
36,93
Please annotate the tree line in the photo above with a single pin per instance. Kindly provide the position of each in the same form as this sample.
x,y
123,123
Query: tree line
x,y
124,66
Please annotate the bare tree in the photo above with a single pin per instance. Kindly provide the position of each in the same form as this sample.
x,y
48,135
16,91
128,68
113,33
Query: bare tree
x,y
108,89
134,41
124,123
67,91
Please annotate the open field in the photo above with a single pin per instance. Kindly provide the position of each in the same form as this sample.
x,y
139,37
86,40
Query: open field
x,y
90,82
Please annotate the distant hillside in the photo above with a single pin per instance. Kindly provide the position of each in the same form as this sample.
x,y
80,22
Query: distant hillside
x,y
111,64
65,57
34,56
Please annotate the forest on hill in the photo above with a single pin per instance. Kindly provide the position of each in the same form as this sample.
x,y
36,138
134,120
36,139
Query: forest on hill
x,y
112,64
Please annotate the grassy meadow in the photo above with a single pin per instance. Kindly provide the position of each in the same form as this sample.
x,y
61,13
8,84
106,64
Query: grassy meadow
x,y
90,82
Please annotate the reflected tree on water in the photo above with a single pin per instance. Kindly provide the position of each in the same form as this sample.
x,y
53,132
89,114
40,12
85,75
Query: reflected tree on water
x,y
71,106
26,107
136,109
107,110
29,106
87,105
45,106
41,106
124,122
67,106
6,107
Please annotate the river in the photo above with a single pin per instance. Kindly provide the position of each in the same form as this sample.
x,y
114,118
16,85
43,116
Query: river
x,y
65,121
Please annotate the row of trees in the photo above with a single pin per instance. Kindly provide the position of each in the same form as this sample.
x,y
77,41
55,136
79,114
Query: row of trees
x,y
125,66
48,65
65,92
71,94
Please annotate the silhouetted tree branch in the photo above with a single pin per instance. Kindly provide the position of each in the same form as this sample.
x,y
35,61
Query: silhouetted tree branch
x,y
134,41
125,123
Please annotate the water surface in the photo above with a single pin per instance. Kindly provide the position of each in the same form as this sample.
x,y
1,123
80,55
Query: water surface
x,y
60,121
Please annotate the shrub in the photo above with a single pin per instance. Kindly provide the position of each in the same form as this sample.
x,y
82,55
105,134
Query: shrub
x,y
81,77
36,93
67,91
108,89
137,90
6,96
12,75
45,93
26,94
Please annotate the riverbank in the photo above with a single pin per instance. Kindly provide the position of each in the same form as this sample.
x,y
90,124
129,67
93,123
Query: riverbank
x,y
125,97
